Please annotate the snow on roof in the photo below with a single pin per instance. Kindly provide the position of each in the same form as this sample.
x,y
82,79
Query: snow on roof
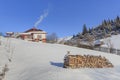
x,y
33,29
24,34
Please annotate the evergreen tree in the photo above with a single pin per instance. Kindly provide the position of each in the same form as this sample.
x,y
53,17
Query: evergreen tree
x,y
117,22
112,22
84,29
89,30
109,22
73,36
117,19
104,23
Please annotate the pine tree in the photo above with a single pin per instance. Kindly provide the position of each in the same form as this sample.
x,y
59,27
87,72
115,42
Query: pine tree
x,y
112,22
89,30
73,36
117,19
104,23
84,29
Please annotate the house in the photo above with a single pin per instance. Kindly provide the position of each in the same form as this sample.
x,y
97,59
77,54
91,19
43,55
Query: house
x,y
9,34
33,34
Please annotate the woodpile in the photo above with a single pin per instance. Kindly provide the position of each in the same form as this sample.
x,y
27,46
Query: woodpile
x,y
86,61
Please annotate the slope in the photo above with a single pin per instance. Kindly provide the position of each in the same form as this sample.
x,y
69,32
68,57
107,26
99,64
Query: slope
x,y
42,61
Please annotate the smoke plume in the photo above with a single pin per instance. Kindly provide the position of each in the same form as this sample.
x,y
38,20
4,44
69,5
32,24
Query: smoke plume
x,y
44,15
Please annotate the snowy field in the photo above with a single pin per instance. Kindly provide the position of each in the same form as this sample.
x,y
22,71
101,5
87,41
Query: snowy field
x,y
42,61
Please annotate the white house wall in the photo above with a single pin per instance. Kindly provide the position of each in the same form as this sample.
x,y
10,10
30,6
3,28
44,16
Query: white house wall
x,y
43,36
35,36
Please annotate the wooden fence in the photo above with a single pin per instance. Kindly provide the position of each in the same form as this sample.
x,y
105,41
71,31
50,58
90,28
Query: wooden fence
x,y
108,50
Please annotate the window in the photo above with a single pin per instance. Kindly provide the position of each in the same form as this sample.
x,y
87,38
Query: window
x,y
39,36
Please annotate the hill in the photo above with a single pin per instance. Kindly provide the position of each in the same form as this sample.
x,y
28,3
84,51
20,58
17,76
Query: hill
x,y
93,36
42,61
105,29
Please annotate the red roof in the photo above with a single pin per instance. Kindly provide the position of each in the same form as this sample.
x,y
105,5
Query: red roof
x,y
33,29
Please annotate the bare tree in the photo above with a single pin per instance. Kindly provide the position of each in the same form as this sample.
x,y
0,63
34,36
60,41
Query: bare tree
x,y
52,38
109,45
90,39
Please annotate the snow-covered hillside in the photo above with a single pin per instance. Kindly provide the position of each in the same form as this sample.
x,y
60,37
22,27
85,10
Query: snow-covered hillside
x,y
64,39
115,41
42,61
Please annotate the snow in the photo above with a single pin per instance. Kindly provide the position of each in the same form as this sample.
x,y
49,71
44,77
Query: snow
x,y
42,61
114,40
65,38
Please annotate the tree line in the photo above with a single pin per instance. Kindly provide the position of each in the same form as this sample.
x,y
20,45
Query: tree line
x,y
106,27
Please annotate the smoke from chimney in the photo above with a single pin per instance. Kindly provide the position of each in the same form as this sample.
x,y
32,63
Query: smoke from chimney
x,y
44,15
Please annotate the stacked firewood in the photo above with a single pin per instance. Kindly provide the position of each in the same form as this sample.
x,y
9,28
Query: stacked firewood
x,y
86,61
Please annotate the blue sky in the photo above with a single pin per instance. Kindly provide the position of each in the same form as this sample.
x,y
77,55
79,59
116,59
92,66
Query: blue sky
x,y
64,17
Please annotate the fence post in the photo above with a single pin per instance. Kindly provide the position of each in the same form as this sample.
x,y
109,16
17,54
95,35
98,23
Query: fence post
x,y
116,51
108,50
